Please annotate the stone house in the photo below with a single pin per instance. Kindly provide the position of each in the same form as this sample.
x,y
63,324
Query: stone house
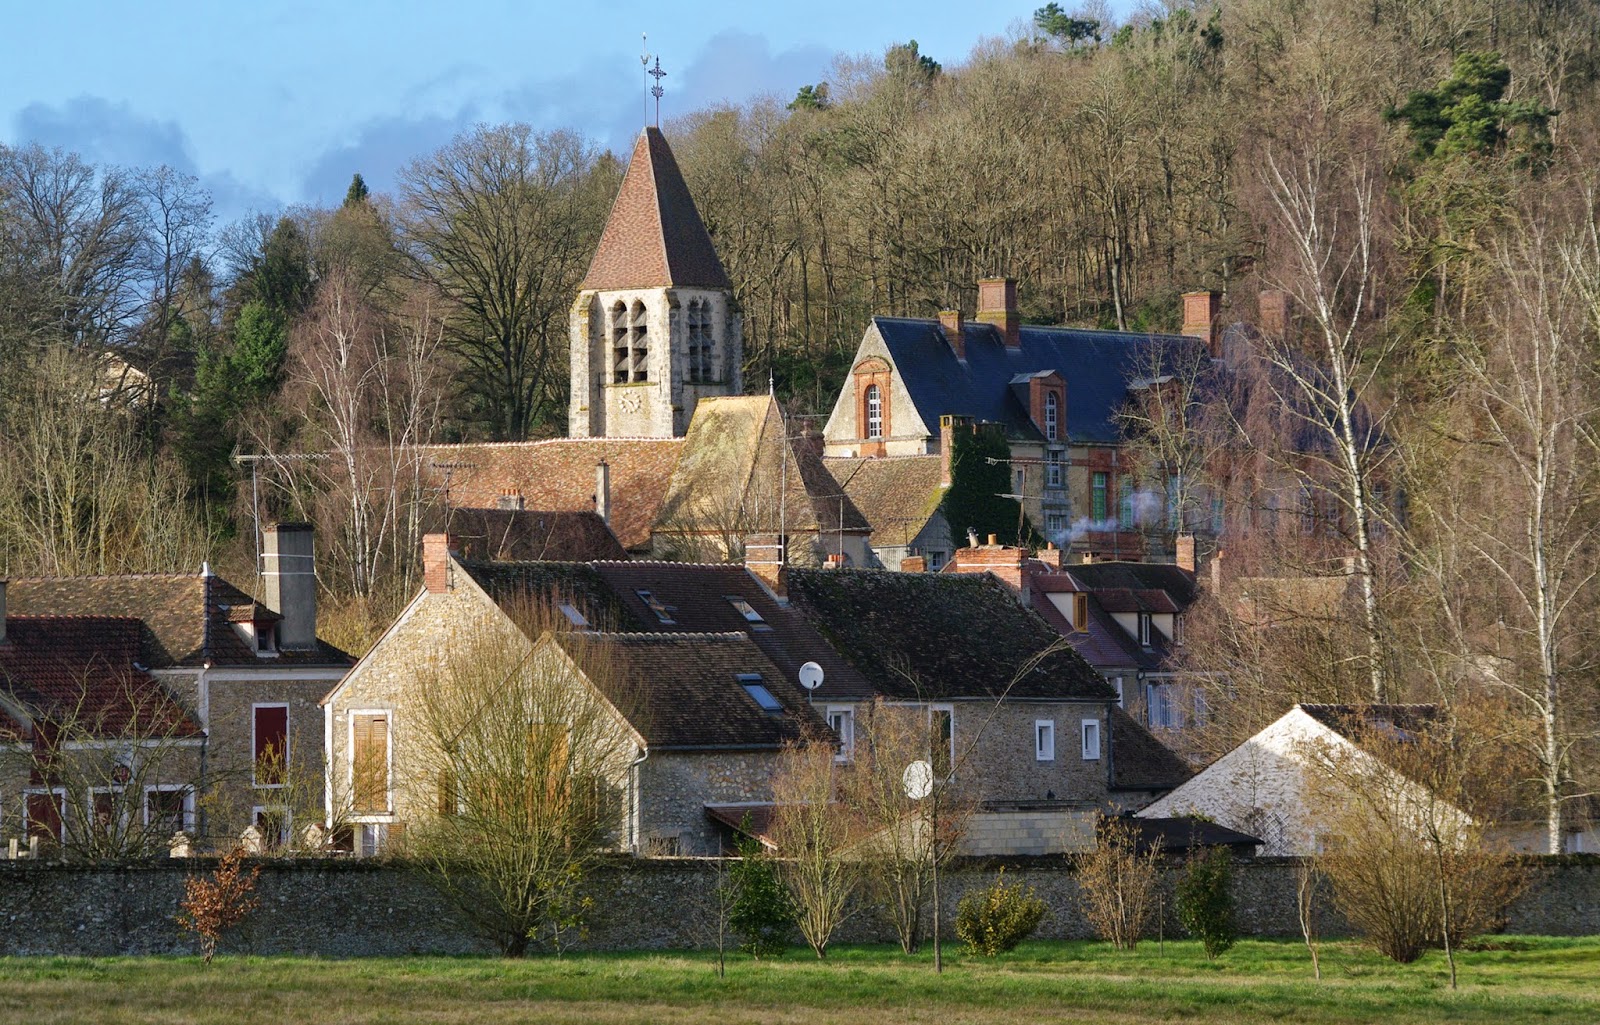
x,y
249,673
95,753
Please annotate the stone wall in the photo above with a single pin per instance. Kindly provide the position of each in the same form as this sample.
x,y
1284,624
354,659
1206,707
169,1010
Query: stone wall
x,y
357,908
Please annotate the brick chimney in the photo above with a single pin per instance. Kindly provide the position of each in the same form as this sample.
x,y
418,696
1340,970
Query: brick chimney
x,y
764,557
289,576
1274,306
914,564
436,563
997,305
1183,548
602,491
950,324
1202,319
1050,555
948,425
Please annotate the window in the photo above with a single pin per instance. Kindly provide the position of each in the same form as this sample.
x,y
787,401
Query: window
x,y
1052,469
1177,629
370,838
1044,740
1098,495
1052,413
1216,514
1019,481
574,617
266,639
270,744
369,762
630,344
44,814
1080,612
935,560
1055,523
942,740
1144,629
1125,518
747,610
842,720
698,321
274,823
759,693
1091,740
110,816
874,412
1116,685
1160,708
640,343
663,612
168,809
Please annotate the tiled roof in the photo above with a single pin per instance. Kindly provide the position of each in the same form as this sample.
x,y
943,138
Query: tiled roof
x,y
935,636
80,672
523,534
1352,721
684,690
1281,601
734,471
1186,832
898,495
185,619
654,237
559,475
515,584
1178,583
1098,367
1122,599
1139,761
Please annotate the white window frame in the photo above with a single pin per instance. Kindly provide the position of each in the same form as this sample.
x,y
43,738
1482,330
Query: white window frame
x,y
377,831
61,808
935,560
874,403
1052,416
388,761
170,788
1053,467
288,744
1089,733
1144,629
1177,629
1044,740
845,728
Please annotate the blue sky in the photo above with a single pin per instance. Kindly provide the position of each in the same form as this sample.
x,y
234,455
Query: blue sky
x,y
280,101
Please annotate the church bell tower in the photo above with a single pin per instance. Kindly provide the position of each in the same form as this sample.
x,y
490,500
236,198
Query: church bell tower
x,y
654,328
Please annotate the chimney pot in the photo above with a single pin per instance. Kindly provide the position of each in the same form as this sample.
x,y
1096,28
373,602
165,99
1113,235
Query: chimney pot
x,y
950,324
993,540
997,305
290,580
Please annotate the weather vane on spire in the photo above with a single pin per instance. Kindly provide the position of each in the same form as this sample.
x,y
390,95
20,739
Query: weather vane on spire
x,y
656,90
644,65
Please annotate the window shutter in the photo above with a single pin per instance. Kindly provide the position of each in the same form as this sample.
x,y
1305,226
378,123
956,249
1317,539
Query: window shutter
x,y
370,763
449,800
271,744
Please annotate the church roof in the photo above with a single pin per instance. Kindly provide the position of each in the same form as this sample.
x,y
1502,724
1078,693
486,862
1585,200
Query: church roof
x,y
654,237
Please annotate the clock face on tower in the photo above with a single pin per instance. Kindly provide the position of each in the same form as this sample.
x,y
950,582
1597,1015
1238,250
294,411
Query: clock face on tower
x,y
630,402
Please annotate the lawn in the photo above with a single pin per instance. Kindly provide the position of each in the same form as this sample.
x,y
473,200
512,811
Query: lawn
x,y
1516,980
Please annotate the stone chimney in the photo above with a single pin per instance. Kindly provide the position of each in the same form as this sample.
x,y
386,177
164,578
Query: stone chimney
x,y
602,491
997,305
2,611
950,324
1183,550
1202,319
948,425
914,564
764,557
1273,318
436,563
289,573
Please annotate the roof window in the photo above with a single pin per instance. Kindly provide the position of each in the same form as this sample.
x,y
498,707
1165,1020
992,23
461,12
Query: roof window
x,y
574,617
663,612
746,610
751,682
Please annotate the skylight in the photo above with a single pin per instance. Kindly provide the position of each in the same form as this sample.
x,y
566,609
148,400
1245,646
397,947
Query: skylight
x,y
663,612
574,617
756,689
745,609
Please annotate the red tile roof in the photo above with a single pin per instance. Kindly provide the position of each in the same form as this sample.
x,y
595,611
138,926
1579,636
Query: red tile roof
x,y
81,672
558,474
654,237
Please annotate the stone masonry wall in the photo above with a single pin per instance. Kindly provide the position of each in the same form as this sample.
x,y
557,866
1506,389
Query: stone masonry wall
x,y
327,907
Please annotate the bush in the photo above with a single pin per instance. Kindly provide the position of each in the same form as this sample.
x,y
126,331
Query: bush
x,y
210,907
1205,902
995,919
1117,882
761,914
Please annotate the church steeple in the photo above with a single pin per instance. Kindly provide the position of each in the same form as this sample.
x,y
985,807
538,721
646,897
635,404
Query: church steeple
x,y
654,237
654,328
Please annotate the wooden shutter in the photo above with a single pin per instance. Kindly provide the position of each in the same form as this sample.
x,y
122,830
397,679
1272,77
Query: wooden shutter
x,y
449,798
370,762
271,744
44,816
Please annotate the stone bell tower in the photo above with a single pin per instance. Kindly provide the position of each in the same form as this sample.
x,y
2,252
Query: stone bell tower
x,y
654,328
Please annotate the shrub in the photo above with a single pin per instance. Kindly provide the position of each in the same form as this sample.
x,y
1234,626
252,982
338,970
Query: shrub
x,y
1205,902
995,919
1118,882
761,914
211,907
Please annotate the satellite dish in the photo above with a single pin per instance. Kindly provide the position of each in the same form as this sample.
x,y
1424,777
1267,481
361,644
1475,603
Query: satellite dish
x,y
810,676
918,780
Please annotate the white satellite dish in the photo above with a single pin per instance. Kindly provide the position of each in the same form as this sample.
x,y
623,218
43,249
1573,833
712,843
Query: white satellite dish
x,y
810,676
918,780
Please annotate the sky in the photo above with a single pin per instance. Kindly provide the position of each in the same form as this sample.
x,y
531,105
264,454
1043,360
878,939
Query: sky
x,y
278,102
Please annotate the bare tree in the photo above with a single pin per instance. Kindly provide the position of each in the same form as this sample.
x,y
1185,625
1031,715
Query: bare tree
x,y
813,832
1118,881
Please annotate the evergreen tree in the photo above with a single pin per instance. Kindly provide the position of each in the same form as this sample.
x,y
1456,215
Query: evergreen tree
x,y
357,193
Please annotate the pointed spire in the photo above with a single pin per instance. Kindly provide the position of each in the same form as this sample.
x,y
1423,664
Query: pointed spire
x,y
654,237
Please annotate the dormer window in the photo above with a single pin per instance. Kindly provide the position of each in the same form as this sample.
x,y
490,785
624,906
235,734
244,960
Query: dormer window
x,y
266,639
1177,630
874,411
1080,612
663,612
1144,629
1052,416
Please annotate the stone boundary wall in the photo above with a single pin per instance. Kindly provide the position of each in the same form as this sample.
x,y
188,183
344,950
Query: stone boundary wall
x,y
368,908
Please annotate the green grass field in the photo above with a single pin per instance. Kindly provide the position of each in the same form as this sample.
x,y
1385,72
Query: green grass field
x,y
1517,980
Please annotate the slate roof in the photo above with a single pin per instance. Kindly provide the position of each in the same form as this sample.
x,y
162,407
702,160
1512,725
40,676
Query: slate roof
x,y
654,237
512,584
1186,832
898,495
683,691
935,636
1139,761
184,618
733,470
524,534
1173,581
1352,721
1098,367
80,671
558,474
